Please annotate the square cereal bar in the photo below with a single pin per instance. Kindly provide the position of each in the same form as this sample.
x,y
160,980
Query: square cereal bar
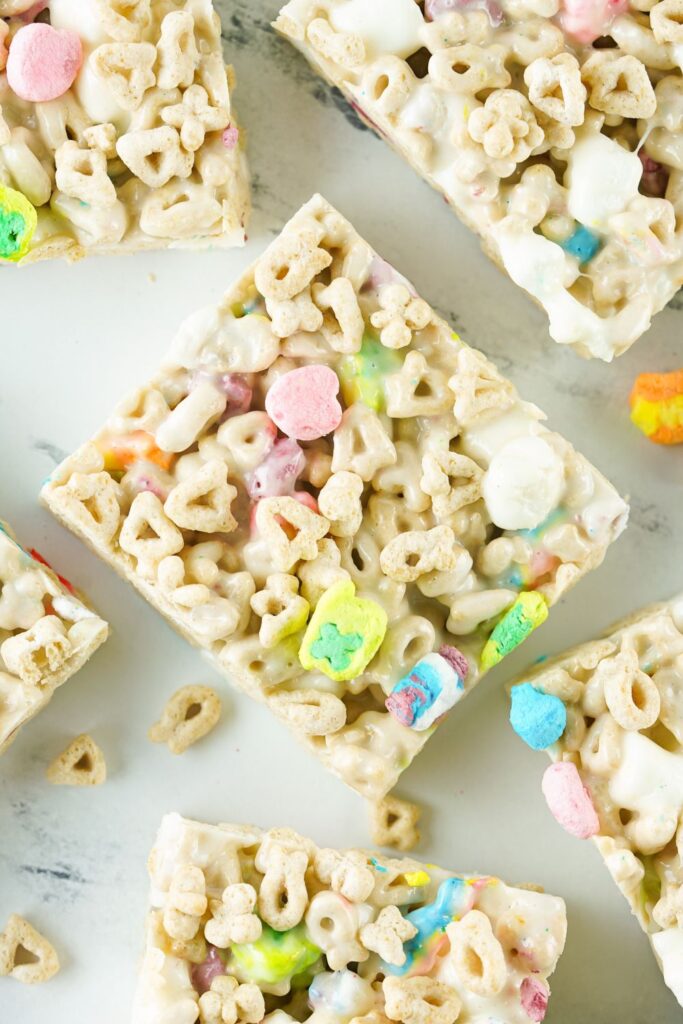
x,y
116,133
46,634
610,714
245,923
248,504
552,127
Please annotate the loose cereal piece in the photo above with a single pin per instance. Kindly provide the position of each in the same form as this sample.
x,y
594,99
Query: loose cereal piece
x,y
328,576
18,939
454,949
47,633
393,822
475,99
134,86
618,774
657,406
190,714
81,764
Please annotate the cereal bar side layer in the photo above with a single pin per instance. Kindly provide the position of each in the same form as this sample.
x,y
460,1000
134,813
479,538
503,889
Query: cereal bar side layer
x,y
623,696
116,130
245,923
46,634
326,489
551,127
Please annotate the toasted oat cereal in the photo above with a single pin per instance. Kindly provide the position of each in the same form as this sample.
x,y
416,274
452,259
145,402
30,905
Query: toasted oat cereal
x,y
368,938
393,822
25,954
191,713
552,127
81,764
359,574
116,130
611,712
47,633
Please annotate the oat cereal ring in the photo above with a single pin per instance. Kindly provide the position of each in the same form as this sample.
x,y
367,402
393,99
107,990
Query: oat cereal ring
x,y
232,917
311,712
227,1000
556,89
420,1001
414,554
190,714
630,694
177,53
290,265
19,936
333,924
282,610
300,313
186,903
342,48
346,873
387,935
399,316
393,822
417,389
283,896
361,443
452,481
619,85
148,534
342,321
339,501
127,70
202,501
477,954
81,764
273,514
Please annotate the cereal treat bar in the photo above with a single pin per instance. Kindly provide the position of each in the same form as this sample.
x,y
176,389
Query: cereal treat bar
x,y
46,634
249,926
553,127
115,129
327,490
610,714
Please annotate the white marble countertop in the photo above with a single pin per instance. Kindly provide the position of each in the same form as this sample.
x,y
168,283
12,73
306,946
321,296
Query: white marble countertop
x,y
74,339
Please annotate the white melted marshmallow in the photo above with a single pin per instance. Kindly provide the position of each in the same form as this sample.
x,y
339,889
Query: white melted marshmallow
x,y
649,779
668,947
523,484
385,26
602,178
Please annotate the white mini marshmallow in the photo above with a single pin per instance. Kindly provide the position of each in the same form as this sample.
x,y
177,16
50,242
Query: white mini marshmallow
x,y
523,484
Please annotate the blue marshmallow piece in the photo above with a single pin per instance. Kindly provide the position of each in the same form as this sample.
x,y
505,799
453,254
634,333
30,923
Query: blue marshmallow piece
x,y
539,718
583,244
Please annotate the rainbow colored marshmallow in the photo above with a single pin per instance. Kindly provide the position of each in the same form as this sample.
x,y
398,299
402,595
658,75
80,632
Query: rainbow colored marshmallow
x,y
429,690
